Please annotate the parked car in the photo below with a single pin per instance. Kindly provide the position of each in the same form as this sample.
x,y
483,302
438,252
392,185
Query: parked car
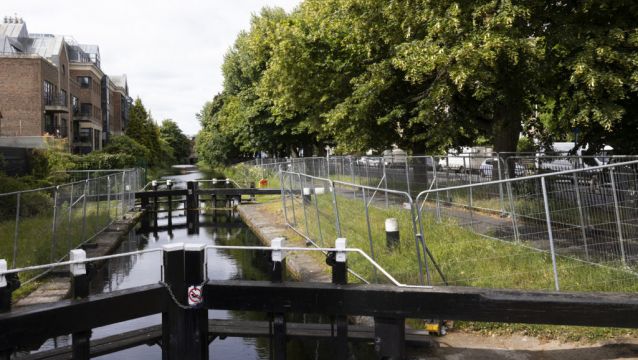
x,y
488,165
367,160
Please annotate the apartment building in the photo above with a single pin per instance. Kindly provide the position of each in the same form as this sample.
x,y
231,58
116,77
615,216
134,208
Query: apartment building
x,y
53,88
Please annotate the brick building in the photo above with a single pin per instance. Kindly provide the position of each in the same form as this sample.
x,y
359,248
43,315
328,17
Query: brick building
x,y
52,88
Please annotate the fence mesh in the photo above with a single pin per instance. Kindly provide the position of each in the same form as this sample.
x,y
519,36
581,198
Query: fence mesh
x,y
485,218
41,226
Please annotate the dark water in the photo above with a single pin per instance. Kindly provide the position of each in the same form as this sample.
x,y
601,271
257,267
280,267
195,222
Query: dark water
x,y
222,228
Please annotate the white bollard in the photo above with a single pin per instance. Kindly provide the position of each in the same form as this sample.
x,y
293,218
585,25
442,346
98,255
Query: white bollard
x,y
392,236
79,268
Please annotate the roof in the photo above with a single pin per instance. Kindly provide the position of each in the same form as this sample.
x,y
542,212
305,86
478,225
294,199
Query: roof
x,y
119,80
5,45
46,45
15,30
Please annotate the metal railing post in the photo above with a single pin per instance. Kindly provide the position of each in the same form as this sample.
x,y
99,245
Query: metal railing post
x,y
283,194
86,182
550,234
292,201
69,228
500,185
317,212
580,214
123,192
303,203
385,183
618,221
510,197
16,232
335,208
54,225
365,204
108,197
407,172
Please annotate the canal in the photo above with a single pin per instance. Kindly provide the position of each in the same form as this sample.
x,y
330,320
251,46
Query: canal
x,y
218,227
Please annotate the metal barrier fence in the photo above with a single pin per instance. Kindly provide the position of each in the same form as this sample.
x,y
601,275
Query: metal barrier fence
x,y
553,226
558,230
41,226
322,210
414,174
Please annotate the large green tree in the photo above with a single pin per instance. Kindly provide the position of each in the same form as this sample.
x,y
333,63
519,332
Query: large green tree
x,y
428,75
143,129
175,140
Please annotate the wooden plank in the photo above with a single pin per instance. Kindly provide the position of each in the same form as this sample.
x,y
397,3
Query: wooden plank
x,y
27,324
452,303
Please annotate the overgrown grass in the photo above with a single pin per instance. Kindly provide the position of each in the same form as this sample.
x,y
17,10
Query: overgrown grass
x,y
466,259
36,243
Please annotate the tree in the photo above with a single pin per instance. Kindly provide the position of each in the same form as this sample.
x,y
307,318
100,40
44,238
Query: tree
x,y
213,146
142,128
126,145
175,140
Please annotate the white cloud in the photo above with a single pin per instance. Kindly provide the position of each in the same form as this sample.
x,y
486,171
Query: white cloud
x,y
171,51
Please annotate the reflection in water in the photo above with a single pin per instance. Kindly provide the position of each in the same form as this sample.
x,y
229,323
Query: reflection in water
x,y
219,227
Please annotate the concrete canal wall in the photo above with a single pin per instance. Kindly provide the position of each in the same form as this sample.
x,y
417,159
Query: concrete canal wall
x,y
57,286
268,225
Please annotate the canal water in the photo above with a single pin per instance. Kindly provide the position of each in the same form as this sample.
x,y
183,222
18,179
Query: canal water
x,y
218,227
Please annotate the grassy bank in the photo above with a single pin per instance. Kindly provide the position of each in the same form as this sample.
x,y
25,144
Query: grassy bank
x,y
36,243
465,258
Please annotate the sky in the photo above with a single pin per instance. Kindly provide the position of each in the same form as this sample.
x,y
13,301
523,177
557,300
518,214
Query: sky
x,y
171,51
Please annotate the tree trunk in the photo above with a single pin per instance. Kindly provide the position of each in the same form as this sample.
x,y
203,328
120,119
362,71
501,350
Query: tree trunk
x,y
506,132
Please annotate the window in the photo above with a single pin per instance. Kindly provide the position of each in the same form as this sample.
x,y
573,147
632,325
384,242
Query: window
x,y
85,82
64,131
86,109
96,139
49,124
48,92
76,131
63,97
63,69
85,135
75,104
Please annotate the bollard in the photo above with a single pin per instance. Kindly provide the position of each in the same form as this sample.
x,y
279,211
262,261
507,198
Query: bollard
x,y
195,320
338,261
392,237
278,258
277,274
172,321
307,195
80,340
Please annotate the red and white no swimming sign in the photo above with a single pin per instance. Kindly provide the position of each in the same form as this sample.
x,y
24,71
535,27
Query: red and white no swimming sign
x,y
195,295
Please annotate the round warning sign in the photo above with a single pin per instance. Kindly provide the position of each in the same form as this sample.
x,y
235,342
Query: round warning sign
x,y
195,296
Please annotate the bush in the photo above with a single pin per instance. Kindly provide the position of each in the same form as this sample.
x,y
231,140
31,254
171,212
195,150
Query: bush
x,y
126,145
31,204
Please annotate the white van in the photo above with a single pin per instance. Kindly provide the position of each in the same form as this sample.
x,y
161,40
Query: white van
x,y
396,157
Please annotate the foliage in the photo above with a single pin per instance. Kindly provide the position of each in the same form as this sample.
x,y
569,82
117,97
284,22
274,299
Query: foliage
x,y
31,203
428,75
214,146
142,128
175,140
126,145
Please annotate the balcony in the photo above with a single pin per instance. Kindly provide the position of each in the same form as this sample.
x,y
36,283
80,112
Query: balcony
x,y
82,115
55,103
